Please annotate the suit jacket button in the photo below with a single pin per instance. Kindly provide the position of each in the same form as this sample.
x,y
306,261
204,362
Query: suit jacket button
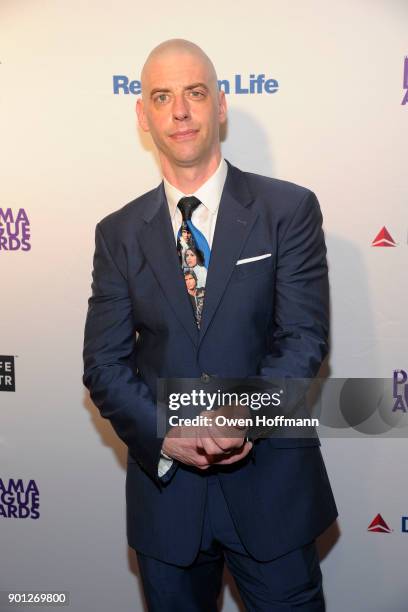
x,y
205,377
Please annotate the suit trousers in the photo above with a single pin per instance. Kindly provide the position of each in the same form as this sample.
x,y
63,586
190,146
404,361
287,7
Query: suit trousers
x,y
291,582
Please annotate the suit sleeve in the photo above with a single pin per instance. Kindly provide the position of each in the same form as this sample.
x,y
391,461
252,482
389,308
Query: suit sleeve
x,y
298,340
109,346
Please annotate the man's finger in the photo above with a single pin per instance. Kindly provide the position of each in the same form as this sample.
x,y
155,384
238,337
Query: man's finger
x,y
226,438
208,445
236,455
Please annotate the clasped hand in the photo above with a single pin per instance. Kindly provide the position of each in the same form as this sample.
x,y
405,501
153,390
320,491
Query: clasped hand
x,y
211,444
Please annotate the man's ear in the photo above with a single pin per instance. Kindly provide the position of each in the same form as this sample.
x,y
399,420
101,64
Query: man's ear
x,y
222,107
141,115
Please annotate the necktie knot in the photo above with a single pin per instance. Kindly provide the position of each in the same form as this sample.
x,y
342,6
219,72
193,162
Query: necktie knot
x,y
187,206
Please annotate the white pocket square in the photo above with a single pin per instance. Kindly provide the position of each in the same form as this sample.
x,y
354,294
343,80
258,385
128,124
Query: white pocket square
x,y
251,259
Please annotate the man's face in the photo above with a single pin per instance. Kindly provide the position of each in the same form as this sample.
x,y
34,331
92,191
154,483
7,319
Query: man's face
x,y
190,282
181,108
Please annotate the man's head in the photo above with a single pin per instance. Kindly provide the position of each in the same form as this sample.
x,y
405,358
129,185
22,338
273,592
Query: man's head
x,y
186,234
191,280
181,105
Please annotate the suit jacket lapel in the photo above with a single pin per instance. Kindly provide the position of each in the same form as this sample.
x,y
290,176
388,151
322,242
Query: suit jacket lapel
x,y
234,223
159,247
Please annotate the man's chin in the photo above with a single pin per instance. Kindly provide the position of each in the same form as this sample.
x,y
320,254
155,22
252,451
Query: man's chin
x,y
186,157
189,160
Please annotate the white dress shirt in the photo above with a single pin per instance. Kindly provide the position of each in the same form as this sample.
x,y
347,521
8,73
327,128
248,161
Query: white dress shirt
x,y
204,218
205,215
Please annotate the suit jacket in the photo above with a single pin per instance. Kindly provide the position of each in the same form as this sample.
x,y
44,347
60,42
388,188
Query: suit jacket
x,y
266,318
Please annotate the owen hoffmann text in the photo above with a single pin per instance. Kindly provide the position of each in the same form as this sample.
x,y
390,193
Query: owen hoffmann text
x,y
240,422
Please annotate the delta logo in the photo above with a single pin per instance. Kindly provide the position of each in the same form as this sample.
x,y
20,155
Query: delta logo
x,y
383,239
378,525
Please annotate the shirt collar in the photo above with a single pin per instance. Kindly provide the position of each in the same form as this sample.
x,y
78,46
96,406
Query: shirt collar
x,y
209,193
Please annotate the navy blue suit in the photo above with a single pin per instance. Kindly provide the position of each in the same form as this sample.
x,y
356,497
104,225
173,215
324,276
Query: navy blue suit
x,y
267,318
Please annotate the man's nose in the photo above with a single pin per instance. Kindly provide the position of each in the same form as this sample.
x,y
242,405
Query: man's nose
x,y
181,110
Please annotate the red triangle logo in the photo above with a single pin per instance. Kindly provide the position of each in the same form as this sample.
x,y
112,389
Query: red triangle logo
x,y
383,239
378,525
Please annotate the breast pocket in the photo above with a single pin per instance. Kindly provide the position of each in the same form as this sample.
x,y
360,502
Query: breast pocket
x,y
247,269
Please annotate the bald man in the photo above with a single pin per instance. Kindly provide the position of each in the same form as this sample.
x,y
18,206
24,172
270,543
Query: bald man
x,y
197,501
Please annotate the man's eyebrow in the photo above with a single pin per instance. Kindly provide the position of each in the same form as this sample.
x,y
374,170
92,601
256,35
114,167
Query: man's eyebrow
x,y
159,90
194,85
187,88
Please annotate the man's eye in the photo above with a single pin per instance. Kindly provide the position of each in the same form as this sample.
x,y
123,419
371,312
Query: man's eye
x,y
161,98
195,93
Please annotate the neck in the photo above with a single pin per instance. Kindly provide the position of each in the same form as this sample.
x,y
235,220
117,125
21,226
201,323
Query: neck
x,y
190,178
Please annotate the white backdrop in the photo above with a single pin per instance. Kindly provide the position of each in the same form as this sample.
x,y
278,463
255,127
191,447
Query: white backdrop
x,y
71,153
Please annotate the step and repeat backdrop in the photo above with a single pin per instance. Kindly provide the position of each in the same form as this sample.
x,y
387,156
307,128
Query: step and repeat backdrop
x,y
317,94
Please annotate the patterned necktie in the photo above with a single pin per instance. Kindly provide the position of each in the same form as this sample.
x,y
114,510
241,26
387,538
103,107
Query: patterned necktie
x,y
194,254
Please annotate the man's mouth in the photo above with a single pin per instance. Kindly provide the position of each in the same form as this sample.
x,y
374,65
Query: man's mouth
x,y
184,135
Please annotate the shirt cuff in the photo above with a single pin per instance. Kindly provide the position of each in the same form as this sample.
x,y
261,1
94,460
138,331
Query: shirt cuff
x,y
165,464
